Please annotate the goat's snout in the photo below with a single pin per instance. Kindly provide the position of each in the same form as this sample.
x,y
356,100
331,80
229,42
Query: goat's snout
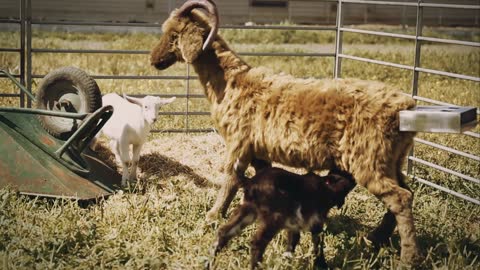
x,y
161,60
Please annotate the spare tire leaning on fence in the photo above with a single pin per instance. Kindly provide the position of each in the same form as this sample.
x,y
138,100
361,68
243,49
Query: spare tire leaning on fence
x,y
67,89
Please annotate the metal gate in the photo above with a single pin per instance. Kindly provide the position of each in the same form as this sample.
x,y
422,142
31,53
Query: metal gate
x,y
25,75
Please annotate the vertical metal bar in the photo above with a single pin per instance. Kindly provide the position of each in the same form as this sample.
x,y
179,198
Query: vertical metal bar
x,y
22,51
404,18
29,49
338,42
188,98
289,12
418,49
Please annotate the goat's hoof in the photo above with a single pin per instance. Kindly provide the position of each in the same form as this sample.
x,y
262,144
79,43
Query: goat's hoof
x,y
378,239
215,249
320,264
211,216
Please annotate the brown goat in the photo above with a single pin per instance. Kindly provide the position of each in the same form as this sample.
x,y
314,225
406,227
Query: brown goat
x,y
283,200
346,124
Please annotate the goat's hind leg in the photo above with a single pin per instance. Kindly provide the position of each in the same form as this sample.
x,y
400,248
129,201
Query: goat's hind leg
x,y
380,235
243,216
235,173
399,203
263,236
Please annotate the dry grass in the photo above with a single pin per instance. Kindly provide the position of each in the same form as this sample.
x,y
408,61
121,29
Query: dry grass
x,y
159,223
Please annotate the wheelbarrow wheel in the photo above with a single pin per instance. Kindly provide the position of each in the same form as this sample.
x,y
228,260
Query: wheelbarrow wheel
x,y
67,89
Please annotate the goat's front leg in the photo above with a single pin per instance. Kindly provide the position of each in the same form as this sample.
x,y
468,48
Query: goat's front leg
x,y
135,158
235,169
318,247
292,240
124,155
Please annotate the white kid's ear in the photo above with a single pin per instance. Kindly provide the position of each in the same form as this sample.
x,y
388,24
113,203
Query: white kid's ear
x,y
164,101
133,100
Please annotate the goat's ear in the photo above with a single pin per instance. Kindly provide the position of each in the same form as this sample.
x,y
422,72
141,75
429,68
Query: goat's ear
x,y
133,100
165,101
190,43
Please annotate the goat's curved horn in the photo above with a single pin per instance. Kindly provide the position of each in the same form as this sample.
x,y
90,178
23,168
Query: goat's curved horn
x,y
208,5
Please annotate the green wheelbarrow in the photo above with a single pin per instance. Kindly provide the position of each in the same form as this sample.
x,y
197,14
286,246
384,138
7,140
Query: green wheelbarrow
x,y
44,151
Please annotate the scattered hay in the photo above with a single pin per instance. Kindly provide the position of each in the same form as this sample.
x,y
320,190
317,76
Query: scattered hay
x,y
159,223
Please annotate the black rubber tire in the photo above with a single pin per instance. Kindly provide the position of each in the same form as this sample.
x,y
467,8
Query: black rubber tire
x,y
66,84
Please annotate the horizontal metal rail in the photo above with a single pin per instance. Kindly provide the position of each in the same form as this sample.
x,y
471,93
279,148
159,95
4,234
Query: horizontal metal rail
x,y
5,76
43,50
444,189
450,41
188,130
9,95
12,21
435,5
411,4
170,95
425,70
411,37
184,113
45,112
443,169
279,27
280,54
437,102
22,88
96,23
156,25
384,63
472,134
382,3
433,101
448,74
448,149
377,33
9,50
133,77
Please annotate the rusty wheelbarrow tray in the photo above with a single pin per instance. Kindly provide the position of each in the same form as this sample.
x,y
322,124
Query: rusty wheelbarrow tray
x,y
37,163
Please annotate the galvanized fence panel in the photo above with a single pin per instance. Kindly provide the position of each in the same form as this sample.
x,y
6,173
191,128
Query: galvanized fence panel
x,y
416,70
26,76
20,23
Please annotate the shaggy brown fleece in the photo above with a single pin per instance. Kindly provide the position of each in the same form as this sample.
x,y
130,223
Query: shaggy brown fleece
x,y
345,124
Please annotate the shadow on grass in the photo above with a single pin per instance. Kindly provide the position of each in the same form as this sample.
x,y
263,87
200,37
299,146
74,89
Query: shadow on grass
x,y
345,224
106,155
153,165
159,166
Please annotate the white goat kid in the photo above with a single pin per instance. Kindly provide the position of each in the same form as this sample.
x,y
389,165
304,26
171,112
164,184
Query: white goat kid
x,y
130,124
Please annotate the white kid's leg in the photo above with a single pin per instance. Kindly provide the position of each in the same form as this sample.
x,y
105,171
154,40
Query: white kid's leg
x,y
125,160
135,159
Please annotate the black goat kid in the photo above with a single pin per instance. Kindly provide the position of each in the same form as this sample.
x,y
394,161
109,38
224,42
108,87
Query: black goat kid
x,y
283,200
